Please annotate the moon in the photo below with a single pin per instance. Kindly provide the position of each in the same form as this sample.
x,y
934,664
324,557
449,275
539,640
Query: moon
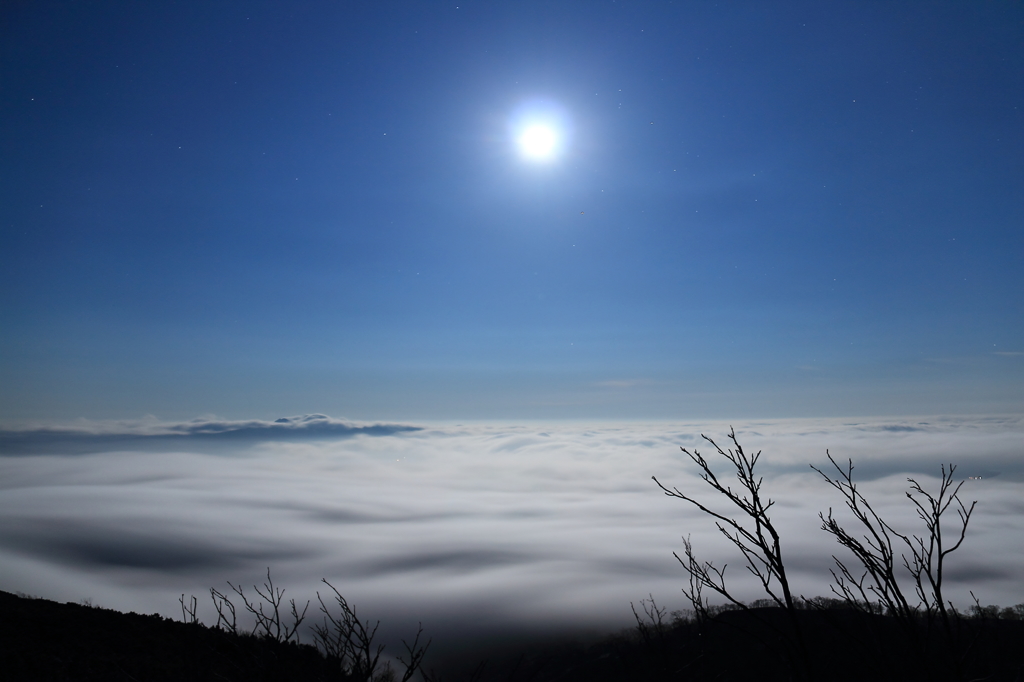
x,y
538,142
540,131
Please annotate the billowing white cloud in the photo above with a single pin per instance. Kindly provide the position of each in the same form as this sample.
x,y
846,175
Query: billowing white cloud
x,y
470,525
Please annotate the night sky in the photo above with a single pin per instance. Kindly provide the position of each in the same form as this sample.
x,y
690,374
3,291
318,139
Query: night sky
x,y
254,210
417,296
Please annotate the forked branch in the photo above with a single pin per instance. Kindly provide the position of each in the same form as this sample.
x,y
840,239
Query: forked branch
x,y
269,620
757,540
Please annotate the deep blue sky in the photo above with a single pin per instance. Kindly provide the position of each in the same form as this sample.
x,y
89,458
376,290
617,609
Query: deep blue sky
x,y
257,209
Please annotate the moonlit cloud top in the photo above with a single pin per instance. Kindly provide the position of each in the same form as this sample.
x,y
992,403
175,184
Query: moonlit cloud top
x,y
475,525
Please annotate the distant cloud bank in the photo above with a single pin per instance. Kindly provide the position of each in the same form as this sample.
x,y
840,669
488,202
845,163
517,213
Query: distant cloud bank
x,y
93,437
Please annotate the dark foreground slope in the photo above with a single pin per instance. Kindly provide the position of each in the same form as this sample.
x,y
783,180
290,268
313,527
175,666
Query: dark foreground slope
x,y
841,645
45,640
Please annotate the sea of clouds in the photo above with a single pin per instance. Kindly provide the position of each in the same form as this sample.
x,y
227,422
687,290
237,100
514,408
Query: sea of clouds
x,y
465,526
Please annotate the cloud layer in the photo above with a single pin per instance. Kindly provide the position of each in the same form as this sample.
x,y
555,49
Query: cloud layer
x,y
463,526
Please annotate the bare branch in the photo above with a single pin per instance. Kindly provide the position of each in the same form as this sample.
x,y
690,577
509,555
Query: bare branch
x,y
267,612
415,652
221,603
350,640
874,550
188,613
651,627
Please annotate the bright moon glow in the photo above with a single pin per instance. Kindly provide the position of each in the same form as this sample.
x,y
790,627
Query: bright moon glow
x,y
538,142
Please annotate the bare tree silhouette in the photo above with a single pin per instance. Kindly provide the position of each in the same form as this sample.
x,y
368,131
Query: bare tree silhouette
x,y
755,536
268,616
351,640
878,590
270,622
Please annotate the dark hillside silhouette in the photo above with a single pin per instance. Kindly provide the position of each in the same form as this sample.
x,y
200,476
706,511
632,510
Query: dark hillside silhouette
x,y
48,641
43,640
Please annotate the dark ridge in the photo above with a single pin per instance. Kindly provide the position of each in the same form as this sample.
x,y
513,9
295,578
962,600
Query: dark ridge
x,y
845,646
43,640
